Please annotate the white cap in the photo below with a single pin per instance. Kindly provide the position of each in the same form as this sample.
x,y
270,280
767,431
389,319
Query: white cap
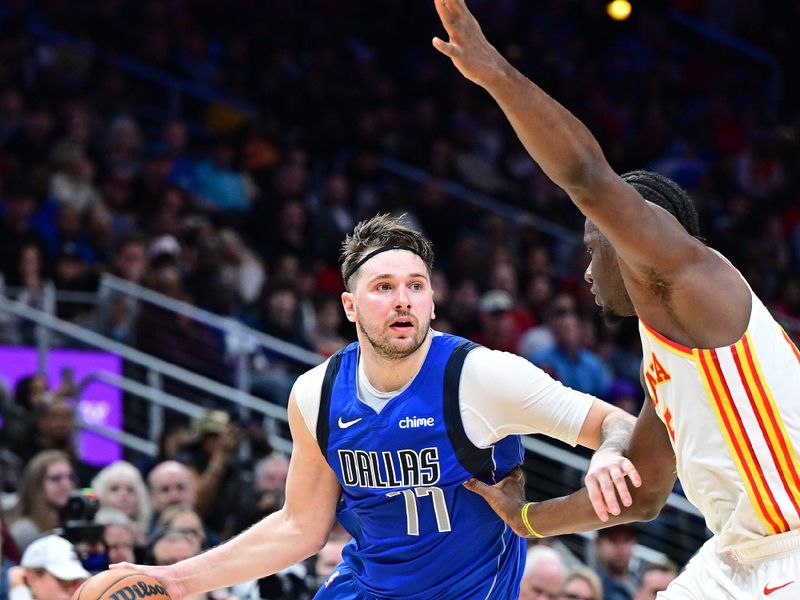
x,y
496,301
55,555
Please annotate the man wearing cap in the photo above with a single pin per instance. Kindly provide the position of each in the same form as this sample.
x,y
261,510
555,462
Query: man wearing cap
x,y
49,570
209,458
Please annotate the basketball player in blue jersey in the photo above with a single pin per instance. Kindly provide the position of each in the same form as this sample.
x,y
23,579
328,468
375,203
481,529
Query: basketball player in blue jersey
x,y
385,434
721,375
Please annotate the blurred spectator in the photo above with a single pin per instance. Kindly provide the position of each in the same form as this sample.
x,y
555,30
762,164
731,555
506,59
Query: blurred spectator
x,y
503,276
625,395
654,579
72,183
582,584
569,360
326,334
172,545
613,552
211,457
498,329
538,296
268,491
463,308
175,436
174,142
49,570
169,546
123,146
170,482
47,482
279,317
241,267
544,575
185,518
18,412
119,535
120,485
28,145
220,187
55,429
327,559
540,338
16,232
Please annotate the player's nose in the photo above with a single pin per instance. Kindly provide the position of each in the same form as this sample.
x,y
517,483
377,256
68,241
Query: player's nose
x,y
402,298
587,274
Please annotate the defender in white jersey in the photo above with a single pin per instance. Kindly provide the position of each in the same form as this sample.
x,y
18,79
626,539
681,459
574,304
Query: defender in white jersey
x,y
721,376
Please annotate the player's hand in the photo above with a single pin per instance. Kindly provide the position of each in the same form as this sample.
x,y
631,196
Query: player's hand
x,y
606,482
164,574
506,498
467,46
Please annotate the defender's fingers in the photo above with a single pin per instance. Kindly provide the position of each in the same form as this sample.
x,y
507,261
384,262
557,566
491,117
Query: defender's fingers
x,y
444,47
477,486
457,7
444,13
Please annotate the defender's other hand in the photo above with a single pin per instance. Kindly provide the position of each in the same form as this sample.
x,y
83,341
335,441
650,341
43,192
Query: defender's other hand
x,y
506,498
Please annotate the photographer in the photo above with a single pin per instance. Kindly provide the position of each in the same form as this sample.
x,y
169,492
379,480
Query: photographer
x,y
50,570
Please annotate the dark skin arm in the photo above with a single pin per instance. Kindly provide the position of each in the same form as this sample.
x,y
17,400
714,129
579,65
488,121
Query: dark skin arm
x,y
651,453
678,285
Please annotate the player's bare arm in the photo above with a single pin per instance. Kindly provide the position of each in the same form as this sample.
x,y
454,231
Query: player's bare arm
x,y
649,450
279,540
657,256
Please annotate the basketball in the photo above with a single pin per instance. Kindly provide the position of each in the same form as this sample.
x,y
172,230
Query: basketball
x,y
121,584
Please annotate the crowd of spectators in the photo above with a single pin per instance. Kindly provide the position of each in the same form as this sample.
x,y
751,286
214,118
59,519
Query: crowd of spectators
x,y
238,205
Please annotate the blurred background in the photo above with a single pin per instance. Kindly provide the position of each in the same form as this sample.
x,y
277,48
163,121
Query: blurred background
x,y
176,177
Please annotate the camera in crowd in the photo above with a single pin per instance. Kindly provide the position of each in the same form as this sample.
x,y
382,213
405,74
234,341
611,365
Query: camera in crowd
x,y
81,530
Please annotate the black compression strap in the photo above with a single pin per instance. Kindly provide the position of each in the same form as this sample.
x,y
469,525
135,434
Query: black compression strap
x,y
324,415
477,461
375,252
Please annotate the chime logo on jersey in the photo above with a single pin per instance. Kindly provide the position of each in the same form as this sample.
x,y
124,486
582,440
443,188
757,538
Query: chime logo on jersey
x,y
401,468
413,422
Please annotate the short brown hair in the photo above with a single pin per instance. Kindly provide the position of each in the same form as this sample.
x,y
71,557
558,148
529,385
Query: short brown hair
x,y
380,231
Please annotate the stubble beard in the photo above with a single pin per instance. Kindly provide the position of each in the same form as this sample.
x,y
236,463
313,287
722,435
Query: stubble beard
x,y
386,349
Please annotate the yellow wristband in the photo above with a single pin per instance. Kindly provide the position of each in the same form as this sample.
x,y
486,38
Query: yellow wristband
x,y
530,529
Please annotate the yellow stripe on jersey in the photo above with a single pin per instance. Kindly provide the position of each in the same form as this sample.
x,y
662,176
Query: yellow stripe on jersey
x,y
738,443
769,418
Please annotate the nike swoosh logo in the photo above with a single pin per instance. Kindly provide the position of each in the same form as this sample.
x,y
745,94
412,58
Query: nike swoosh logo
x,y
768,590
346,424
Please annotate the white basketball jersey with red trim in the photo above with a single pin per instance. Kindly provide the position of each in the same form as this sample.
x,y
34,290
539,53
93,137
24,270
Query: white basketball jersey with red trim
x,y
733,415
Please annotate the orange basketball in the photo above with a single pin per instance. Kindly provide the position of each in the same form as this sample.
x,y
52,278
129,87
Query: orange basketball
x,y
121,584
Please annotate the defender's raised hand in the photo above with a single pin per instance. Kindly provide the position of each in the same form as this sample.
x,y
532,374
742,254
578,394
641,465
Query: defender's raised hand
x,y
468,48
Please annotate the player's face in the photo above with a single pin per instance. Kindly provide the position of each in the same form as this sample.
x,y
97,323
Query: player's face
x,y
604,275
391,303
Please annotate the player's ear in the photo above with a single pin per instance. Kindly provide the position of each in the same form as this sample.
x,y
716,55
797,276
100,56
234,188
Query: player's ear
x,y
349,306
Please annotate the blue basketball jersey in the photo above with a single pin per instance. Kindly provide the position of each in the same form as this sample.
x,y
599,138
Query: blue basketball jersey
x,y
417,532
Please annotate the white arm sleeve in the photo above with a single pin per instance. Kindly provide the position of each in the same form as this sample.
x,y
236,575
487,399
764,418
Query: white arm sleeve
x,y
307,392
503,394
